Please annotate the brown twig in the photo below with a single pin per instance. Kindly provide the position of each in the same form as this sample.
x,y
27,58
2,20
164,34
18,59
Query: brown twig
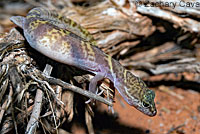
x,y
32,124
3,108
185,23
74,88
170,92
88,120
175,128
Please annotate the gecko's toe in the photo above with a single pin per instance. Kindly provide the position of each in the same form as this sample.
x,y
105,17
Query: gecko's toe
x,y
100,93
88,101
110,108
92,101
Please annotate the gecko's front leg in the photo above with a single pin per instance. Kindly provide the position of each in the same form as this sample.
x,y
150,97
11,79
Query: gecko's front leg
x,y
93,84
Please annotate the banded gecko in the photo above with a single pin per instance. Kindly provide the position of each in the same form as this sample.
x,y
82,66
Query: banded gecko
x,y
63,40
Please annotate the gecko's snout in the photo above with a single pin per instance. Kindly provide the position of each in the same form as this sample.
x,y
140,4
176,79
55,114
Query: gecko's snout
x,y
154,113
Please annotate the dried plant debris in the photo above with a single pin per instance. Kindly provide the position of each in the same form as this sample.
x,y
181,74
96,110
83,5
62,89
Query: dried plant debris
x,y
172,10
35,96
108,23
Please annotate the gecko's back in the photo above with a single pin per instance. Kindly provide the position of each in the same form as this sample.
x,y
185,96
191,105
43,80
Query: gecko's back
x,y
57,42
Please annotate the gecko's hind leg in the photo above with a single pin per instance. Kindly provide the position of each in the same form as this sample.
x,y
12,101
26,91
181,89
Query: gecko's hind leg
x,y
93,84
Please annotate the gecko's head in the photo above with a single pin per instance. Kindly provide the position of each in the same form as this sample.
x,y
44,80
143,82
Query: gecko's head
x,y
143,100
137,94
146,103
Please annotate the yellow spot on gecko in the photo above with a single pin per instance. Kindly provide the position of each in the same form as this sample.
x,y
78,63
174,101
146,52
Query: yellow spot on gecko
x,y
72,23
33,25
60,16
125,71
84,31
31,16
64,32
83,47
66,48
35,11
91,54
109,59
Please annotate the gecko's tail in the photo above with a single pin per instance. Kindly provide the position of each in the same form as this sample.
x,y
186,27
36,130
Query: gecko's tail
x,y
18,20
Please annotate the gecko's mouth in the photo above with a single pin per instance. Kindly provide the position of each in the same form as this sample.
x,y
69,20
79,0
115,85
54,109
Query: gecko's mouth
x,y
151,113
147,111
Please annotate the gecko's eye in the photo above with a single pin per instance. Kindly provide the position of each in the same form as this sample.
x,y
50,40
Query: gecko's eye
x,y
146,105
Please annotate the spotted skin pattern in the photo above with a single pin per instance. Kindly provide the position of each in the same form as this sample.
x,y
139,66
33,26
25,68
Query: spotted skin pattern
x,y
65,41
62,22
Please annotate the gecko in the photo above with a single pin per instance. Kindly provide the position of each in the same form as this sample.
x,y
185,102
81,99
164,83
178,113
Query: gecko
x,y
65,41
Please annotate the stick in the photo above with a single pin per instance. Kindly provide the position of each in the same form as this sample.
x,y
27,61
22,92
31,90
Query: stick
x,y
32,124
74,88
